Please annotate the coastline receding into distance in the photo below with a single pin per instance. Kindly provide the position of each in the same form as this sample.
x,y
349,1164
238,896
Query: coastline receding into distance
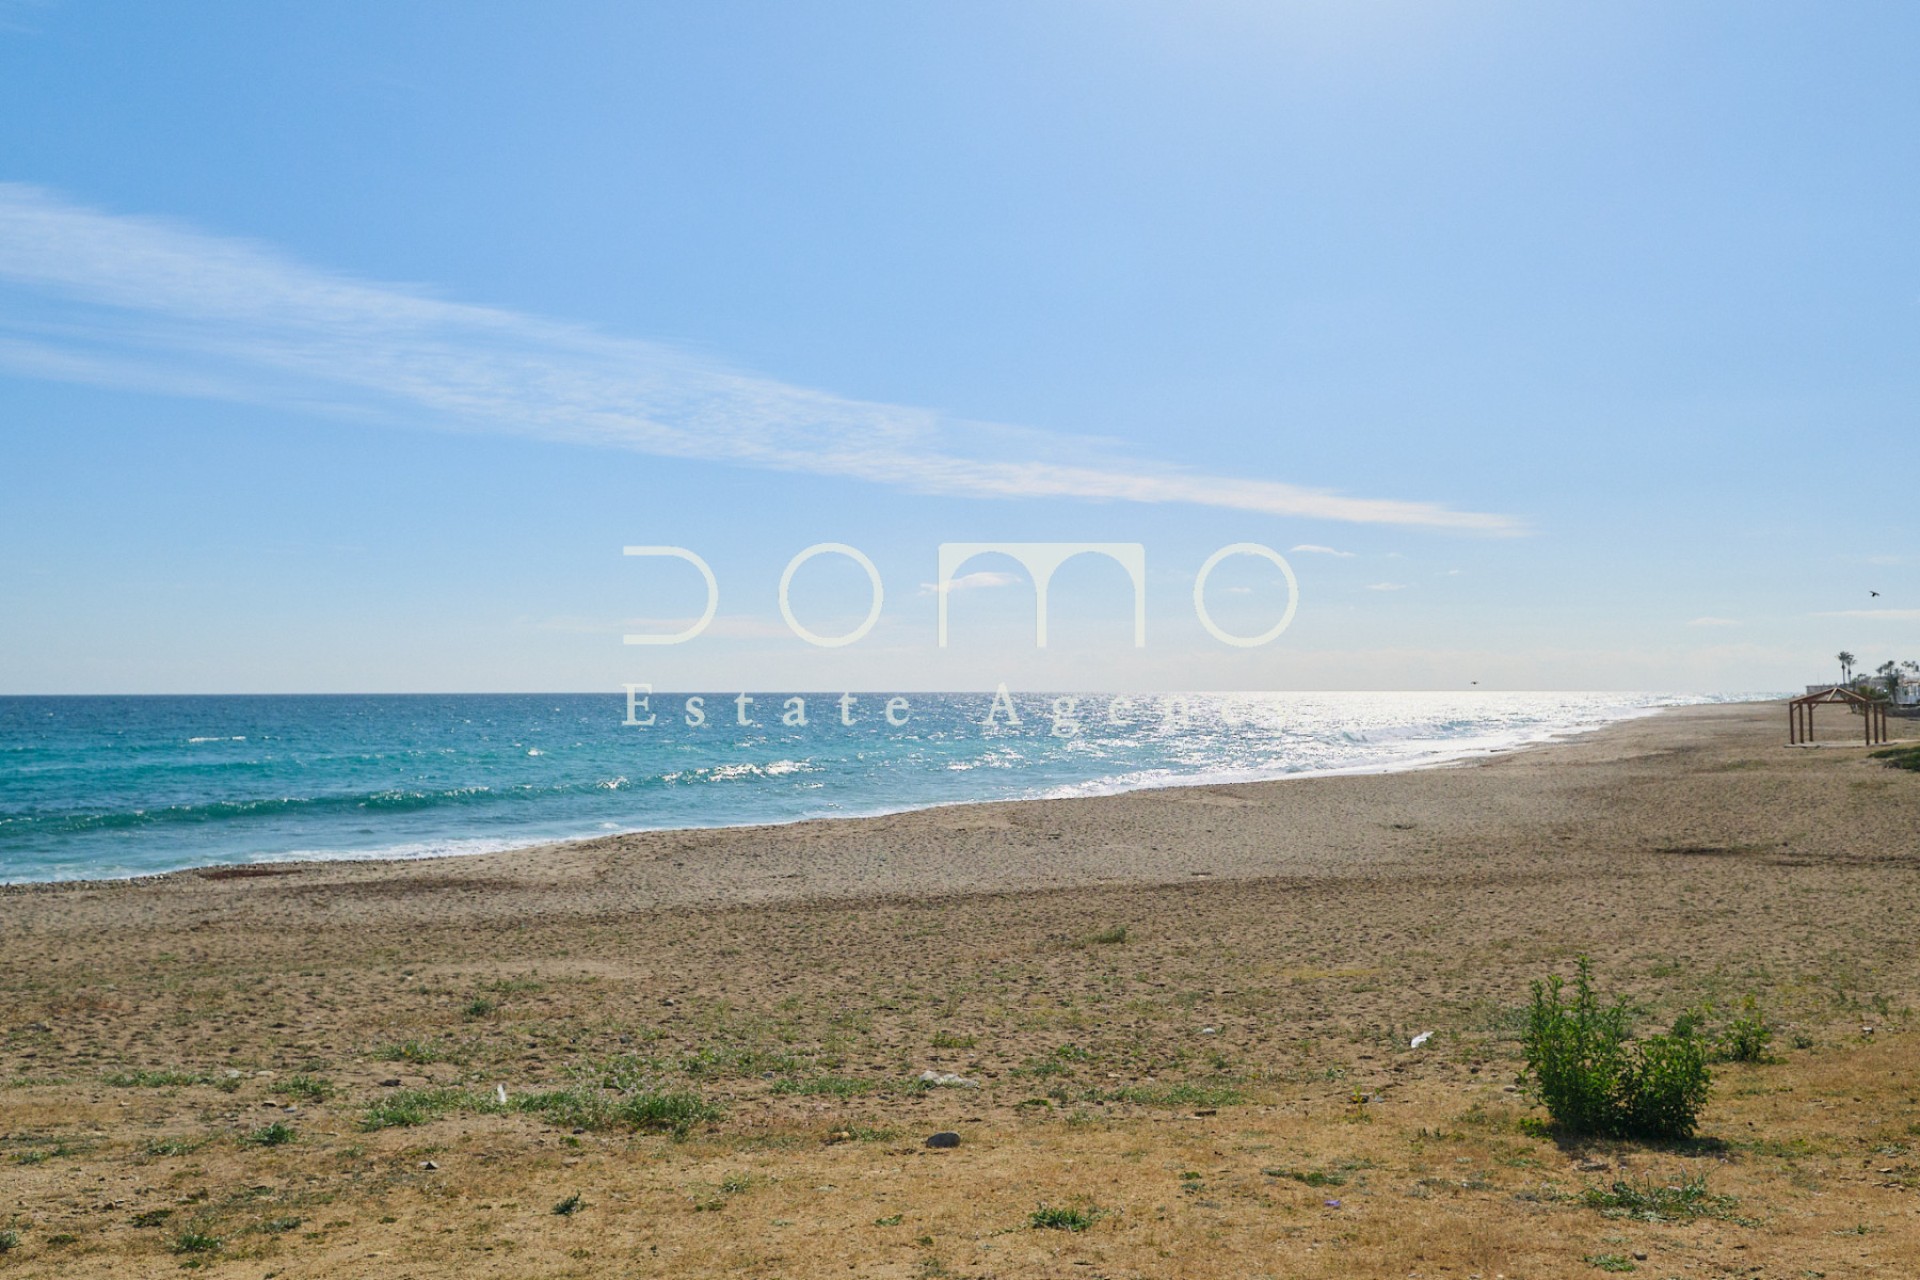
x,y
108,789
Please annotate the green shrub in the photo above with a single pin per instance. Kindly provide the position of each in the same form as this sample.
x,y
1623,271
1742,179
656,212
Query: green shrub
x,y
9,1241
1582,1064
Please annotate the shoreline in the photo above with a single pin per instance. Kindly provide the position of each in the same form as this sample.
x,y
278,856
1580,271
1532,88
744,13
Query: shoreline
x,y
1190,1010
1444,757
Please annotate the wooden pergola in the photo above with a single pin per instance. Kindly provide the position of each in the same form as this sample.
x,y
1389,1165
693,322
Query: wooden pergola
x,y
1800,714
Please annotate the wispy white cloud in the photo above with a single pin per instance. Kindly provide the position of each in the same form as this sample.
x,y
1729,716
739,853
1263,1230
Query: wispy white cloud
x,y
1883,615
1713,622
1386,586
1314,549
973,582
135,302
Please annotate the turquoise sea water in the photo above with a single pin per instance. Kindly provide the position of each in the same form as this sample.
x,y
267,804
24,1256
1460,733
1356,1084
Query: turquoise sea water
x,y
108,787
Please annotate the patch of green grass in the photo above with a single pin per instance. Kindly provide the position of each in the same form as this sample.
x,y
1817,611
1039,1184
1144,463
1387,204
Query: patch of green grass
x,y
829,1086
1052,1218
1647,1201
196,1242
1900,757
570,1206
949,1040
579,1107
405,1108
643,1110
9,1241
1110,937
891,1220
1183,1094
154,1079
422,1052
276,1134
152,1218
1309,1177
275,1226
1609,1262
674,1113
173,1146
477,1008
1748,1037
307,1088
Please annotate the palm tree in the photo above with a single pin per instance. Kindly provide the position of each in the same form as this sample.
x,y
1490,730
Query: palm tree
x,y
1889,673
1846,667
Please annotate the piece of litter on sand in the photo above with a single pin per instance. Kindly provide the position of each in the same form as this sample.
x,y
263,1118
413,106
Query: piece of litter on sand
x,y
947,1080
1333,1204
1420,1039
500,1094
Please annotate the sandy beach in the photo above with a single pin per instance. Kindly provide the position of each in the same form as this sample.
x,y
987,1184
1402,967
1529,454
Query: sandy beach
x,y
1183,1014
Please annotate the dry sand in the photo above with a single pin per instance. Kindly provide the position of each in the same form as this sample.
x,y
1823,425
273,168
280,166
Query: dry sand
x,y
1187,1013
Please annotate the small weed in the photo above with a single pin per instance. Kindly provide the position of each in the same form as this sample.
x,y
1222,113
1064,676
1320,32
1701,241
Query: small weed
x,y
275,1226
196,1242
1310,1177
1110,937
421,1052
570,1206
949,1040
893,1220
735,1183
273,1135
154,1079
409,1107
477,1008
1181,1095
152,1218
9,1241
173,1146
1609,1262
305,1087
1748,1038
1049,1218
829,1086
1647,1201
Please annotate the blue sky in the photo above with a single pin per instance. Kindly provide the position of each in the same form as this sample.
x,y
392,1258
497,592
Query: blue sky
x,y
344,346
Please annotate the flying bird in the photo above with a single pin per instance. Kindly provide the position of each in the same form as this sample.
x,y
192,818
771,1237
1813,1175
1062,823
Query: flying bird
x,y
1874,594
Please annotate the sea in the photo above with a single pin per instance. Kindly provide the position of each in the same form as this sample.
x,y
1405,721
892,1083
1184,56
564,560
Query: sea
x,y
112,787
